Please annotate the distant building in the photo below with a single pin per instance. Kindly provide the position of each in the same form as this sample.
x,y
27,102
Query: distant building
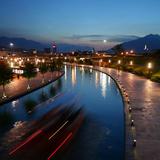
x,y
47,50
54,47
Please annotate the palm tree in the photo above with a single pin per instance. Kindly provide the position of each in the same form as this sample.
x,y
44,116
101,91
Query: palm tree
x,y
29,72
6,75
43,69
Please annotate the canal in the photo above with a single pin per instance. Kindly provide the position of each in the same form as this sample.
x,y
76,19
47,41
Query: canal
x,y
101,135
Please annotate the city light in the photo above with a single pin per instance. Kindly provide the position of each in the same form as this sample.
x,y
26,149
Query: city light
x,y
119,62
11,44
11,65
149,65
100,60
109,61
131,63
132,51
104,41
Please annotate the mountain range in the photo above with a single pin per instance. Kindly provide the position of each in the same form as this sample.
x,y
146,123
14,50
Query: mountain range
x,y
151,42
30,44
148,43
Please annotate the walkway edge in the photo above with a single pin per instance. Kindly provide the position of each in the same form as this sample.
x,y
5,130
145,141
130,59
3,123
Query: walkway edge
x,y
32,90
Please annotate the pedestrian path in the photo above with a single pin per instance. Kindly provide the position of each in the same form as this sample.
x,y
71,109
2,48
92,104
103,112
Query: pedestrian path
x,y
19,85
144,98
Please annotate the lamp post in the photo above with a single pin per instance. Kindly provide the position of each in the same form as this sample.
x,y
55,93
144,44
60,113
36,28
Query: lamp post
x,y
109,62
11,46
100,62
131,63
119,63
149,66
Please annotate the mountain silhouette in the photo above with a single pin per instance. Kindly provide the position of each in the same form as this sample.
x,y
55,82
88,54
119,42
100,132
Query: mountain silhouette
x,y
30,44
151,42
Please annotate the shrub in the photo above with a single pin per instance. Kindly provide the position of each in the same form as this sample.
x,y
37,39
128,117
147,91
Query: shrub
x,y
156,77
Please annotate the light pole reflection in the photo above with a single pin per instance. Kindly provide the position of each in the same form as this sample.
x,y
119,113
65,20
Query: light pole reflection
x,y
103,83
96,79
65,70
74,75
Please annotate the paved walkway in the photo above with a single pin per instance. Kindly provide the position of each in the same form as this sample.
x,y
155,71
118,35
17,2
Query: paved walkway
x,y
19,85
144,96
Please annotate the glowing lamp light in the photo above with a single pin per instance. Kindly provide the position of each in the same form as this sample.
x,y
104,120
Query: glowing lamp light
x,y
100,60
131,51
20,63
104,41
149,65
11,64
131,63
134,143
109,61
119,62
11,44
15,59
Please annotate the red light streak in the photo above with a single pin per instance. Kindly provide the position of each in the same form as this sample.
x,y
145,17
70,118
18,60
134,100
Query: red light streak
x,y
25,142
54,152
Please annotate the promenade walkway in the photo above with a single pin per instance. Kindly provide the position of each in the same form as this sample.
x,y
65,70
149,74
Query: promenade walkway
x,y
19,85
144,96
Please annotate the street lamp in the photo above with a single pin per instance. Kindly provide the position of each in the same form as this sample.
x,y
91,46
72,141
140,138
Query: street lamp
x,y
131,63
109,61
11,46
149,66
119,62
104,41
131,51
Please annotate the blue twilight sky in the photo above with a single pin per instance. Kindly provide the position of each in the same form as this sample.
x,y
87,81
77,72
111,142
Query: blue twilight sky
x,y
86,22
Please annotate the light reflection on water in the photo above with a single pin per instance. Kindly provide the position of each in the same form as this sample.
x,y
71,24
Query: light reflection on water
x,y
102,135
103,83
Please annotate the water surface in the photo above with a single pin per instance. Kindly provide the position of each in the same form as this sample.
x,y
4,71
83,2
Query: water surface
x,y
101,136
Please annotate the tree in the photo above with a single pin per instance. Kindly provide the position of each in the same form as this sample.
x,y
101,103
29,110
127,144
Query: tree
x,y
52,68
29,72
59,64
43,69
6,76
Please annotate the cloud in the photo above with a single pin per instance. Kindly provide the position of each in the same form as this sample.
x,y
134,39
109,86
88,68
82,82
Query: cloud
x,y
97,40
122,38
100,38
